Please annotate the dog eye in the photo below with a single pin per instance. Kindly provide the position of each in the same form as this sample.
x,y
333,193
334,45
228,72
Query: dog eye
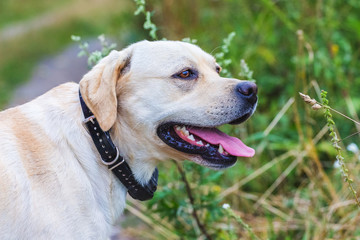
x,y
218,69
185,74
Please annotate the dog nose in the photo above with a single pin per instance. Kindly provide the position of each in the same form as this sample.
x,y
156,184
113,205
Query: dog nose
x,y
248,91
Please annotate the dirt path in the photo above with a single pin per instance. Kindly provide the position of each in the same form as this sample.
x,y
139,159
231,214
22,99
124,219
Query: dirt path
x,y
53,71
75,9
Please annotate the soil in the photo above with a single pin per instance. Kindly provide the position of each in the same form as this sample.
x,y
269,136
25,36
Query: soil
x,y
53,71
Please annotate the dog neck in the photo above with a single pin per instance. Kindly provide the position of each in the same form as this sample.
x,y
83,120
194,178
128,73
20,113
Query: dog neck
x,y
110,156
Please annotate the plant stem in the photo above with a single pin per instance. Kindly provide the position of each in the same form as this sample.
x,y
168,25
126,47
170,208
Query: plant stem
x,y
312,102
192,202
238,219
335,141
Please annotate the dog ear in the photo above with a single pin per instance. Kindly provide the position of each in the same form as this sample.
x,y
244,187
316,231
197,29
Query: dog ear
x,y
98,87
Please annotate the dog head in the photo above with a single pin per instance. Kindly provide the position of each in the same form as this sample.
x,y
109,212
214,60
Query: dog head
x,y
164,99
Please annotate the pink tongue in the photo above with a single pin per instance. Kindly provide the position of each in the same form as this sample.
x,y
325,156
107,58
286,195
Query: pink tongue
x,y
232,145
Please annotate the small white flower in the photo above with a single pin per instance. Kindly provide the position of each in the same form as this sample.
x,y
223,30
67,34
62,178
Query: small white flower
x,y
75,38
101,38
225,206
352,147
336,164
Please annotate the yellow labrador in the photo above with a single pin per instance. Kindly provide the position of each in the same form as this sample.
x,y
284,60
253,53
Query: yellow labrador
x,y
159,100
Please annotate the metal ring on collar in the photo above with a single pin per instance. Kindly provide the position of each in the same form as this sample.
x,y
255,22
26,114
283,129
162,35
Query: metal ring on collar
x,y
112,162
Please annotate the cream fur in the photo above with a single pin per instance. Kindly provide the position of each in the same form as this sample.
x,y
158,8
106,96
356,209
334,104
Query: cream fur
x,y
53,185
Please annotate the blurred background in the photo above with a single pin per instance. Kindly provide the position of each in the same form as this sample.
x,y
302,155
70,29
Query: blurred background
x,y
293,188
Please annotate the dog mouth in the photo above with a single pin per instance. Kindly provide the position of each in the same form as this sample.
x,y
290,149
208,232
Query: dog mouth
x,y
215,148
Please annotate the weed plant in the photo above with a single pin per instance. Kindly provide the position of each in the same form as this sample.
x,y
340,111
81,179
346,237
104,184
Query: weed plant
x,y
292,188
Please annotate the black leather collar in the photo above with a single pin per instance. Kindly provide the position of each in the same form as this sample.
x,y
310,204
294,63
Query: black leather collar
x,y
110,156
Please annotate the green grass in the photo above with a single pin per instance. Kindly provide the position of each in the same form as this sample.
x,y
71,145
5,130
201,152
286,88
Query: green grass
x,y
14,11
21,54
290,189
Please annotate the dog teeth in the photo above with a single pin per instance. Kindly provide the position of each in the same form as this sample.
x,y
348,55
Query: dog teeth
x,y
221,149
191,137
184,131
207,145
200,143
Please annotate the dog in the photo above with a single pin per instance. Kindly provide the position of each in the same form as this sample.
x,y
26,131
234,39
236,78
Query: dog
x,y
157,100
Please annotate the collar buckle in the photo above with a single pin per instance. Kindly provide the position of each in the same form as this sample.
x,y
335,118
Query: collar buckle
x,y
89,119
86,120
